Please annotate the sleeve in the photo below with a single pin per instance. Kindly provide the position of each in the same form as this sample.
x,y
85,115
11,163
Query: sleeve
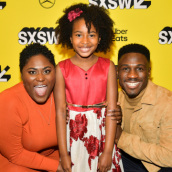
x,y
11,138
160,153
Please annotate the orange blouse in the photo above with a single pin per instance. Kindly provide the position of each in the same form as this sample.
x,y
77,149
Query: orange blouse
x,y
27,142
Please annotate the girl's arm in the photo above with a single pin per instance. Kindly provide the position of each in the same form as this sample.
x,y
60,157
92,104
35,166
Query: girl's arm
x,y
105,160
60,104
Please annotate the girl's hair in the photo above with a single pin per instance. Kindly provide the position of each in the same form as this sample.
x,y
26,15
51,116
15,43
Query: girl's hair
x,y
98,16
32,50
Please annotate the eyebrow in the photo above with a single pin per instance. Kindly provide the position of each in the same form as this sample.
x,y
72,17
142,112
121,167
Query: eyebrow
x,y
37,68
81,32
136,65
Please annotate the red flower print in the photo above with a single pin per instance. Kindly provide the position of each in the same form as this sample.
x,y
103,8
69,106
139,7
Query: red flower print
x,y
103,122
98,112
92,145
116,164
71,141
102,143
105,113
78,127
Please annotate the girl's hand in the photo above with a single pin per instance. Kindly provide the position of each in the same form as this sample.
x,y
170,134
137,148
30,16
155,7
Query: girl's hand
x,y
105,162
66,163
60,169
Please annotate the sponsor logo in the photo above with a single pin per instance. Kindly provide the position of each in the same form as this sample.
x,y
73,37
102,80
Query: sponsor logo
x,y
113,4
3,77
165,36
120,35
47,3
42,36
2,5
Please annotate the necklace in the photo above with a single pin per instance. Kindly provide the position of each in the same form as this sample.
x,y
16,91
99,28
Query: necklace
x,y
49,115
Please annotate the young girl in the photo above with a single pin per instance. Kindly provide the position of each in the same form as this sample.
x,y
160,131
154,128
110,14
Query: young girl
x,y
87,85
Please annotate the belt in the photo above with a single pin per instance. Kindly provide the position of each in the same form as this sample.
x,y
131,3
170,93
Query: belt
x,y
98,105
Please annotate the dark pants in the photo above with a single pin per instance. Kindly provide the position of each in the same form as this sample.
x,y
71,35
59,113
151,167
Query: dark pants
x,y
131,164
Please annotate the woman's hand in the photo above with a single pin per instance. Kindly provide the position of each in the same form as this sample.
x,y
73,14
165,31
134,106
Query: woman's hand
x,y
60,169
66,163
105,162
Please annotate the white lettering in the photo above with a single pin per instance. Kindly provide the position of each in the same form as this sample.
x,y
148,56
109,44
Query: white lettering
x,y
137,5
93,2
22,40
170,33
114,6
103,4
41,37
32,37
51,38
126,2
162,37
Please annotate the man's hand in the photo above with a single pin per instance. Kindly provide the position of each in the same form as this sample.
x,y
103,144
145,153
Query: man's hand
x,y
118,133
116,114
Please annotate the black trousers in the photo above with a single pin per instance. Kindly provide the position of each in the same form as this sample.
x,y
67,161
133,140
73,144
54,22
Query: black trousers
x,y
131,164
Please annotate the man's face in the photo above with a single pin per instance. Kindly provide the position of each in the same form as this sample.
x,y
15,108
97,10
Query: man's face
x,y
133,73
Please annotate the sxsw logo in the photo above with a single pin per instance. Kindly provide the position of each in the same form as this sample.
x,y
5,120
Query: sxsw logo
x,y
113,4
165,36
3,77
2,5
42,36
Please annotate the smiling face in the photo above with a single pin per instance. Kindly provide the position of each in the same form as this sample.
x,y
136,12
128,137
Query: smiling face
x,y
84,43
133,73
38,77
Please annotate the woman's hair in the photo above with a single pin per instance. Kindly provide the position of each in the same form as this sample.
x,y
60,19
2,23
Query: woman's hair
x,y
98,16
32,50
134,48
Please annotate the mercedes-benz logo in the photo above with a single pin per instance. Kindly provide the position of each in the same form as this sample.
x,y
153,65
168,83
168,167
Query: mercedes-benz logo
x,y
47,3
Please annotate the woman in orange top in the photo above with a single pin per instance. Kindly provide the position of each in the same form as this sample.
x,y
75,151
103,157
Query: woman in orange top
x,y
28,141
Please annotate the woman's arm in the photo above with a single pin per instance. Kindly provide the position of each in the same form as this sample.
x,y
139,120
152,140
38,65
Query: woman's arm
x,y
11,130
105,160
60,103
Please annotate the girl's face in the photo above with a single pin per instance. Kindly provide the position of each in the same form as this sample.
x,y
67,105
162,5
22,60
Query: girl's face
x,y
38,78
84,43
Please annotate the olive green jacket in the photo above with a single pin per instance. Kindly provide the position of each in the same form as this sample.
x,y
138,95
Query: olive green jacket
x,y
151,129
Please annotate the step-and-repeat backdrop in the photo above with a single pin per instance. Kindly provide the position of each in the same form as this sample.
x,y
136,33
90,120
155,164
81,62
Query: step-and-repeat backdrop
x,y
136,21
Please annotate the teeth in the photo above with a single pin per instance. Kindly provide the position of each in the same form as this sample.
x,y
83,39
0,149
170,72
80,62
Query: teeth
x,y
132,84
85,49
40,86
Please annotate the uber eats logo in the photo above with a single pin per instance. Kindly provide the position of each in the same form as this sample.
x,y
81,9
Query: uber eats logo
x,y
113,4
165,36
42,36
120,35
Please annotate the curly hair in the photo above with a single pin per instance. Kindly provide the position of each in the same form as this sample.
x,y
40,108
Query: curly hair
x,y
134,48
98,16
32,50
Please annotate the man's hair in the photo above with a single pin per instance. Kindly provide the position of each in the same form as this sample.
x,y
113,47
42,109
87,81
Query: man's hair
x,y
32,50
134,48
92,14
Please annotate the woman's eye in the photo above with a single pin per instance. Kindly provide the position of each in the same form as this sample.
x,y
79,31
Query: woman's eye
x,y
47,71
32,72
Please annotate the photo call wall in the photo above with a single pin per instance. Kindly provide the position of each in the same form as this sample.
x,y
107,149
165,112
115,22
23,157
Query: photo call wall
x,y
136,21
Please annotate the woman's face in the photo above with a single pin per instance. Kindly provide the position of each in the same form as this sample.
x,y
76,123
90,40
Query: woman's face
x,y
38,77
